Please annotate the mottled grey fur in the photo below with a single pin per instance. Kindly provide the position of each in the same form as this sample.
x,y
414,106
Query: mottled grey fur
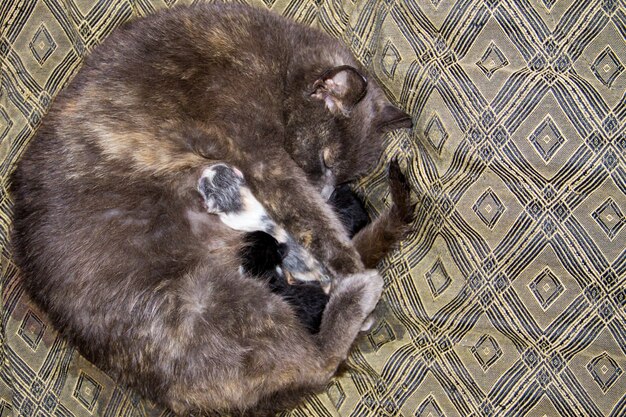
x,y
222,192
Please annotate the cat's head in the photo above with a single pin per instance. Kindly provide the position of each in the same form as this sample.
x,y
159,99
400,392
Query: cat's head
x,y
336,124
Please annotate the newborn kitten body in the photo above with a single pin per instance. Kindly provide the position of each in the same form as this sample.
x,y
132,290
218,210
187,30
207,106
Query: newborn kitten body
x,y
227,195
263,257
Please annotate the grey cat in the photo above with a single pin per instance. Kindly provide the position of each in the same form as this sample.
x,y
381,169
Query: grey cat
x,y
119,247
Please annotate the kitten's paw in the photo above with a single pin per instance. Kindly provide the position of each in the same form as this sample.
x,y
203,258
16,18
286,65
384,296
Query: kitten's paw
x,y
220,185
400,193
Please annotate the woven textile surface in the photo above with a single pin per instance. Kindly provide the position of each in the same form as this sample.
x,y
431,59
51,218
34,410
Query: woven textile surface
x,y
509,296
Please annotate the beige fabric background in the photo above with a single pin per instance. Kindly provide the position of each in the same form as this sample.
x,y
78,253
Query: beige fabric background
x,y
509,297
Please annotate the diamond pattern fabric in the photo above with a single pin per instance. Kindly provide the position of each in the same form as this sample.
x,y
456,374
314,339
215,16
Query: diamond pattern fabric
x,y
508,298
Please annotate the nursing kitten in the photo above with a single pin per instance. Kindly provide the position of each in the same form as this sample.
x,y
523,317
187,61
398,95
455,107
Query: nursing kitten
x,y
118,246
226,194
349,207
262,256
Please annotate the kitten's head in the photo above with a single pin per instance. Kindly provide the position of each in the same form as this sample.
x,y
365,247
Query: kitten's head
x,y
336,124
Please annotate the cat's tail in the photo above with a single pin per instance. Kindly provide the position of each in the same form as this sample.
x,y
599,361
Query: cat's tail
x,y
381,236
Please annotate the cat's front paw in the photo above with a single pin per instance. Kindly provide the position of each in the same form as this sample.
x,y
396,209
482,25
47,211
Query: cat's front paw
x,y
220,186
368,284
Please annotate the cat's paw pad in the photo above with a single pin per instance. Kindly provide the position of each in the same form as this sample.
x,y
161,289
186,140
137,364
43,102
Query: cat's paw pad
x,y
220,186
400,189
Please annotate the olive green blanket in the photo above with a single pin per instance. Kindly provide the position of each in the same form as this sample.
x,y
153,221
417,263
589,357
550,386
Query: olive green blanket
x,y
509,296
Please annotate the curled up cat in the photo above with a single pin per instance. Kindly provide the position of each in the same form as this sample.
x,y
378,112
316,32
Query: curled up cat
x,y
109,206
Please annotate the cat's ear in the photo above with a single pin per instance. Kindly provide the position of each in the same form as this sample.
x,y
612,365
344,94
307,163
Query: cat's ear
x,y
341,88
391,118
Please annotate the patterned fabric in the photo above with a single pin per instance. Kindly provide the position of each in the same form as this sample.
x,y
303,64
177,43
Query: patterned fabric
x,y
508,299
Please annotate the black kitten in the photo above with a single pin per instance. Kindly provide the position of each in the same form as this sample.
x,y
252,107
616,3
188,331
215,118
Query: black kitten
x,y
261,257
349,208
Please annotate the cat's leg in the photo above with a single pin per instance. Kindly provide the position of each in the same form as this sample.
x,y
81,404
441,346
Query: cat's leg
x,y
381,236
235,344
351,301
282,187
227,195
